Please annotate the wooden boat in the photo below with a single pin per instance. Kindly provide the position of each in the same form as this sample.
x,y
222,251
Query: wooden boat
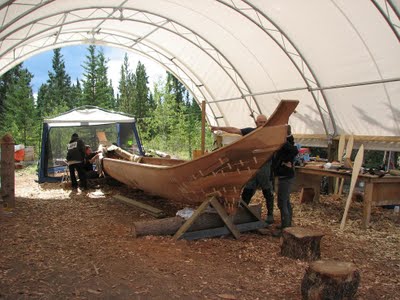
x,y
222,172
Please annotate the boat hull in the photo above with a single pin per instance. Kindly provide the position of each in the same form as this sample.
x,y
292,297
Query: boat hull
x,y
223,172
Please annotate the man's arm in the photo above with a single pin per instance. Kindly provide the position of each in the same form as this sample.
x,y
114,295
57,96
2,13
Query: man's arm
x,y
227,129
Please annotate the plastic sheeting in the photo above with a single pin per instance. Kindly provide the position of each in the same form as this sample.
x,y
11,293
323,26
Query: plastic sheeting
x,y
340,58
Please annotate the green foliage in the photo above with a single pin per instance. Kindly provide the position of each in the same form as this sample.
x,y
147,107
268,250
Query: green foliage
x,y
173,127
55,95
20,117
97,90
6,81
168,118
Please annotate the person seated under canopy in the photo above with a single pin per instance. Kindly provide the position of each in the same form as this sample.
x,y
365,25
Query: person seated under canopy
x,y
90,158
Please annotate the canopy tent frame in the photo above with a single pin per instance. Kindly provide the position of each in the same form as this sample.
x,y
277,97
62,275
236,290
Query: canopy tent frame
x,y
76,118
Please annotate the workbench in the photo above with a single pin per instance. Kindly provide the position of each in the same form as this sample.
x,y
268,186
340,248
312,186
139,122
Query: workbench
x,y
378,191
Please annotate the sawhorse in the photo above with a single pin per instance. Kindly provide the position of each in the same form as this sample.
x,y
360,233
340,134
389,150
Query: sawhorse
x,y
228,228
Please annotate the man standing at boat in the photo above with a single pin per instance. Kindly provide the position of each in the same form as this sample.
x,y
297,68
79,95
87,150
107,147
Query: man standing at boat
x,y
262,179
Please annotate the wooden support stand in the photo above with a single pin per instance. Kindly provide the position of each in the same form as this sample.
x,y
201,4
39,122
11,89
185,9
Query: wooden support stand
x,y
207,220
301,243
330,280
229,227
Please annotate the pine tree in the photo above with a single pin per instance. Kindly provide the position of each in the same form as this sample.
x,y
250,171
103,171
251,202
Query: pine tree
x,y
20,115
89,83
141,100
104,96
41,102
175,88
76,94
125,87
58,95
6,81
97,89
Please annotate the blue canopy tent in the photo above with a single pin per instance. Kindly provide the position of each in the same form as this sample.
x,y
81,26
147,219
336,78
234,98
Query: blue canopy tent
x,y
88,122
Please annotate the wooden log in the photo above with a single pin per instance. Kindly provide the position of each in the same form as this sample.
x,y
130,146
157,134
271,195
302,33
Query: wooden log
x,y
169,226
7,171
124,154
301,243
327,279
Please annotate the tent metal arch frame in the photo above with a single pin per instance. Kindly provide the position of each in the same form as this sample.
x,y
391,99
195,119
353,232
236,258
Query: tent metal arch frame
x,y
387,16
237,74
303,60
195,94
371,56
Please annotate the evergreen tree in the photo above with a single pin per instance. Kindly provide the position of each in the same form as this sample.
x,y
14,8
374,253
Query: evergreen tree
x,y
89,83
125,88
6,81
97,89
41,102
76,94
141,103
176,88
104,94
20,115
58,97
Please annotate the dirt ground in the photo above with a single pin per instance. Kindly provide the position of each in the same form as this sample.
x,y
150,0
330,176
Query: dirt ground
x,y
57,244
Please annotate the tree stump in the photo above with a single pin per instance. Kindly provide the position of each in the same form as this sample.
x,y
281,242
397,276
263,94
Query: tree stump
x,y
330,280
301,243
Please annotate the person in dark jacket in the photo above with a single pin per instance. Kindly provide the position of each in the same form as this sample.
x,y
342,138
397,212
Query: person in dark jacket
x,y
75,160
283,169
262,179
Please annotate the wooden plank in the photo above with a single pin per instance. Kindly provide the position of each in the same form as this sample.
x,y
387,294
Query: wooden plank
x,y
356,170
342,141
349,148
145,207
223,230
224,216
257,217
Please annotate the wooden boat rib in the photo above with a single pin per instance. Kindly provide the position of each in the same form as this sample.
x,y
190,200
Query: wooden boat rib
x,y
222,172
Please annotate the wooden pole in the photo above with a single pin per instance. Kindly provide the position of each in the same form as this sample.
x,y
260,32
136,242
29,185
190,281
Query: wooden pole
x,y
203,127
7,171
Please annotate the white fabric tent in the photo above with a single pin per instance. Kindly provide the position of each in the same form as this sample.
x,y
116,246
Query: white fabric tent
x,y
340,58
88,116
84,116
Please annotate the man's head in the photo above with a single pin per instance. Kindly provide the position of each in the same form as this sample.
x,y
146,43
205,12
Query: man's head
x,y
261,120
88,149
74,136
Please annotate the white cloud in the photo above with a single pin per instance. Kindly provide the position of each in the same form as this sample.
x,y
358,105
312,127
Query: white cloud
x,y
116,58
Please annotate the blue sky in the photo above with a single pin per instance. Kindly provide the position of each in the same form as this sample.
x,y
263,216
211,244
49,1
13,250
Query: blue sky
x,y
74,56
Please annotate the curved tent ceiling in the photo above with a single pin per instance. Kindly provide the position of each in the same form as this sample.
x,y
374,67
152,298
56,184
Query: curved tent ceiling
x,y
340,58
